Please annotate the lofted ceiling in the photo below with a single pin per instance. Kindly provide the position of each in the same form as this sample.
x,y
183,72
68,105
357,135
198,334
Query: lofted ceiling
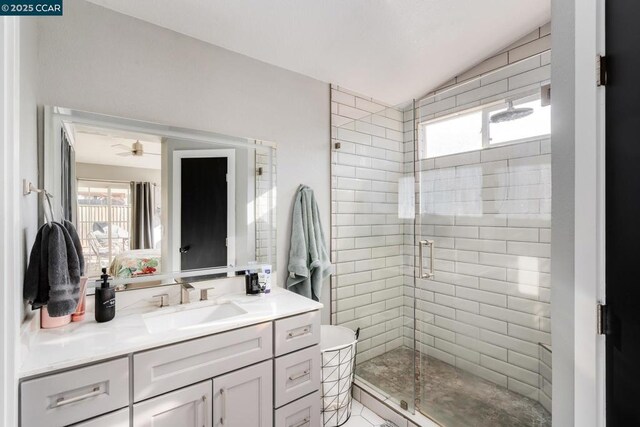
x,y
391,50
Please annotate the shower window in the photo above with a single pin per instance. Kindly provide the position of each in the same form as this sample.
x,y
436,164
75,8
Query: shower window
x,y
453,134
534,126
472,129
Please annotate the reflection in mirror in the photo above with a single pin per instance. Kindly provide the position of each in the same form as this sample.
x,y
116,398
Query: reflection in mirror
x,y
149,201
117,199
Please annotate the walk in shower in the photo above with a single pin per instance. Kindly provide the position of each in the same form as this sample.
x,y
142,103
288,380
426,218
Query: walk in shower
x,y
440,236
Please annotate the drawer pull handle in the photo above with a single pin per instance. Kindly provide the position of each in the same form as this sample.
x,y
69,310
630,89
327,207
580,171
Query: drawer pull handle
x,y
304,332
61,401
300,375
301,423
223,410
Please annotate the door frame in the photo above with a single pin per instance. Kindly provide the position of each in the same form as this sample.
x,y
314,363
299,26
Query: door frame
x,y
577,268
176,230
11,232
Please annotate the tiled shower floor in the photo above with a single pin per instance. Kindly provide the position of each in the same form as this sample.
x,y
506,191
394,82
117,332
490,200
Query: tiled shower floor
x,y
450,396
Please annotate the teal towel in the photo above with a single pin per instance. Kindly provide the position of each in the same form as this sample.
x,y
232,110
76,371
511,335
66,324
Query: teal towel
x,y
309,263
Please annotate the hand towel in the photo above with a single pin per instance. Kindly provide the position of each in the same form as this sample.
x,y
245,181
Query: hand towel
x,y
53,274
32,279
309,263
63,273
76,243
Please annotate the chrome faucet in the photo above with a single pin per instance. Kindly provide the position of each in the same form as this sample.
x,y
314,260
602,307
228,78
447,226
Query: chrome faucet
x,y
185,288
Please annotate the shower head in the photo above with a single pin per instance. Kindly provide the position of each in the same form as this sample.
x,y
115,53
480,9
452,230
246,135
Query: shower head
x,y
510,113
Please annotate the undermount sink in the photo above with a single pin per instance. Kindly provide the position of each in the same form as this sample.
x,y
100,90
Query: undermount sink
x,y
190,318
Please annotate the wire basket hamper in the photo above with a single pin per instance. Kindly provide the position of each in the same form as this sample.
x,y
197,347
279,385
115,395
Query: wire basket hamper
x,y
338,370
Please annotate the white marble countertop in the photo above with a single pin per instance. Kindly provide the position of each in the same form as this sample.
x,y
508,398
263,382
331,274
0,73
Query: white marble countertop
x,y
47,350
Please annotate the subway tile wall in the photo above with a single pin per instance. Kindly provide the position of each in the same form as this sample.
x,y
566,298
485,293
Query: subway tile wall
x,y
487,306
487,309
545,376
367,234
265,208
488,212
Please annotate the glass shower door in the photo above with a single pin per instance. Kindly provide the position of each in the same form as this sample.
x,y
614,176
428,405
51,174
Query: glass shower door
x,y
373,205
482,233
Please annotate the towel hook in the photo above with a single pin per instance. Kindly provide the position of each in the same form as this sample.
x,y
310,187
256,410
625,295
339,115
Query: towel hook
x,y
28,188
48,197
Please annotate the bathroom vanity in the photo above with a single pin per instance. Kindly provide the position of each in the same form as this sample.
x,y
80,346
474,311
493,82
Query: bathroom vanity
x,y
229,359
234,360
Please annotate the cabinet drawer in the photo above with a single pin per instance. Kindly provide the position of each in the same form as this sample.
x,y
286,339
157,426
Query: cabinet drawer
x,y
168,368
297,332
115,419
301,413
297,374
73,396
187,407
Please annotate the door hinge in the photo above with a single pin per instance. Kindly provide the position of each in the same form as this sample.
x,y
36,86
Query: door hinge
x,y
602,72
601,314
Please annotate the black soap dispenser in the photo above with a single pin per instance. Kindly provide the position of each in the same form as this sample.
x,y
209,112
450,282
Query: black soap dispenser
x,y
105,306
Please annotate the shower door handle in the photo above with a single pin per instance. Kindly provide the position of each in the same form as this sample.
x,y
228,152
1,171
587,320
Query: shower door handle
x,y
426,274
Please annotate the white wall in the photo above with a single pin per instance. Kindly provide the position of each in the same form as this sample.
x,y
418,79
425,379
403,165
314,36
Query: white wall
x,y
97,60
28,136
18,218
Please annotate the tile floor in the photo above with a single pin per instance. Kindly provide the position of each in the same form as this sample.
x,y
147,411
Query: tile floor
x,y
452,397
362,417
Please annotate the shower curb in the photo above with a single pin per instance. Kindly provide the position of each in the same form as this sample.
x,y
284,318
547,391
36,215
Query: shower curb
x,y
388,410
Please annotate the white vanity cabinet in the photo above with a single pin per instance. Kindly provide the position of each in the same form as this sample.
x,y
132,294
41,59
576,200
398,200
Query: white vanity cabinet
x,y
303,412
244,397
75,395
297,374
296,332
115,419
187,407
261,375
168,368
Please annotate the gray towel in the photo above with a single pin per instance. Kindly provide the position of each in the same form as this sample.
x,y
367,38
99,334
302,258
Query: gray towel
x,y
64,273
33,281
53,274
76,242
309,263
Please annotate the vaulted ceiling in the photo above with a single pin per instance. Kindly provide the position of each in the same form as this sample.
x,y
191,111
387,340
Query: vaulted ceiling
x,y
391,50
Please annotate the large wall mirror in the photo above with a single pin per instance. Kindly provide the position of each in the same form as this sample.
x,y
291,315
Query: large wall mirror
x,y
156,204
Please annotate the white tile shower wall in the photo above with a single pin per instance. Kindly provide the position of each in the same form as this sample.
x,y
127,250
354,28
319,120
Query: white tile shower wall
x,y
265,209
366,235
489,213
545,376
